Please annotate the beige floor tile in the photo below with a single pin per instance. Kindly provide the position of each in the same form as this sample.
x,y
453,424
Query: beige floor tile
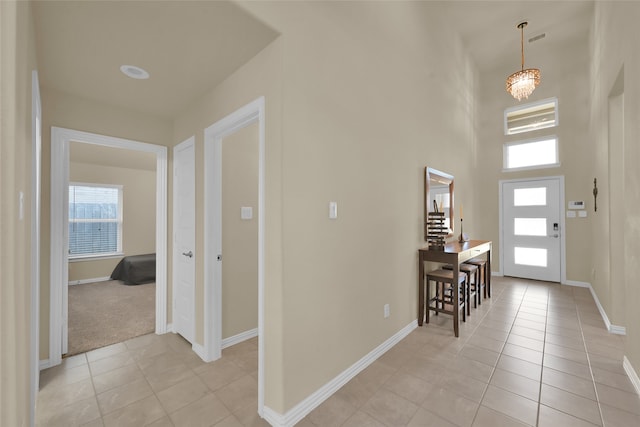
x,y
332,412
450,406
73,361
526,342
230,421
482,355
411,388
525,315
123,395
464,386
107,351
576,342
248,416
182,393
109,363
613,379
137,414
604,350
169,377
239,393
517,384
356,392
425,418
607,364
162,422
566,353
567,382
247,362
206,411
62,375
570,403
521,367
486,343
560,330
510,404
538,326
617,398
527,332
389,408
487,417
74,414
549,417
614,417
143,341
523,353
219,373
470,368
563,365
58,397
116,378
362,419
156,348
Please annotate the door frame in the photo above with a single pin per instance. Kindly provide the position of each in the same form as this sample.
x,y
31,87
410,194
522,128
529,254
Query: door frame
x,y
36,175
188,143
563,255
60,139
253,112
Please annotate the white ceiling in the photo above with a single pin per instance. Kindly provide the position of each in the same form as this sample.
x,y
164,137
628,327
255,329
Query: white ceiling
x,y
190,47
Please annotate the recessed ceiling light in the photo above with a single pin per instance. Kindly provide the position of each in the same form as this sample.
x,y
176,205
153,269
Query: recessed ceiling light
x,y
134,72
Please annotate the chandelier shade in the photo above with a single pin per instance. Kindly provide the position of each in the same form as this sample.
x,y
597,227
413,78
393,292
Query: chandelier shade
x,y
522,83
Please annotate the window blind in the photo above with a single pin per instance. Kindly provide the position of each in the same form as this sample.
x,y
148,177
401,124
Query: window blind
x,y
95,220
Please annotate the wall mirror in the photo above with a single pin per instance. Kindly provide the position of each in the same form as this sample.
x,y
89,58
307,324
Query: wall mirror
x,y
438,194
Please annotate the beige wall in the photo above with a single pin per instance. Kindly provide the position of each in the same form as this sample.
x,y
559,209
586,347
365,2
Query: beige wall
x,y
17,50
613,47
239,236
372,93
139,213
68,111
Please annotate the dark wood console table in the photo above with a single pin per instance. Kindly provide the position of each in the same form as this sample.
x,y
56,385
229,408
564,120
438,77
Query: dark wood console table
x,y
454,253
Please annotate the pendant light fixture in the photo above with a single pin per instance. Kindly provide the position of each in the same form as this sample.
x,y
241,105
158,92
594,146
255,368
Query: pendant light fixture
x,y
522,83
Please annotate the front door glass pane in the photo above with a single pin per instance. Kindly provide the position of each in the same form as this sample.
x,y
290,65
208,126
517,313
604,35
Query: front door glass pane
x,y
536,257
530,196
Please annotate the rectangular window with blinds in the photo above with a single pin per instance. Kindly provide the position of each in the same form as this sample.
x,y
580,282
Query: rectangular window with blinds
x,y
95,220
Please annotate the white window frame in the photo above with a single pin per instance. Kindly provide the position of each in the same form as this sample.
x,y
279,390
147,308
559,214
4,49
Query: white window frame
x,y
119,220
553,100
507,145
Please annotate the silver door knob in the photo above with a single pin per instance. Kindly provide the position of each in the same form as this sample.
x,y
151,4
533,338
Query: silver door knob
x,y
189,254
554,235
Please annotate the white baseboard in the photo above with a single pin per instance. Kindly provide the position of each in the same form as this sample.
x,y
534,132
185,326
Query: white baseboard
x,y
614,329
577,284
44,364
242,336
83,281
303,408
632,374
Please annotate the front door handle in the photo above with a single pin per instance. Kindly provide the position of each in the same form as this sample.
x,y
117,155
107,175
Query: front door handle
x,y
189,254
554,235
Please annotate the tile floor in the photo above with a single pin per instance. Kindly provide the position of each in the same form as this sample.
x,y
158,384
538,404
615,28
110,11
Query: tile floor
x,y
536,354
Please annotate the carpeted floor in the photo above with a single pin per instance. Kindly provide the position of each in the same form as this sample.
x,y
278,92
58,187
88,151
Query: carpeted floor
x,y
105,313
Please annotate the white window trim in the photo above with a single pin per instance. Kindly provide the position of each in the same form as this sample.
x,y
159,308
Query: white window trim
x,y
506,146
530,105
119,220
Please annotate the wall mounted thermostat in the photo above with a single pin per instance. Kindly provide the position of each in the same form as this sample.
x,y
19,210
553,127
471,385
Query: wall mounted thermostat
x,y
576,204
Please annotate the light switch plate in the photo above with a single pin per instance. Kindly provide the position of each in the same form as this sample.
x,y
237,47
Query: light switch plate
x,y
246,212
333,210
571,214
582,214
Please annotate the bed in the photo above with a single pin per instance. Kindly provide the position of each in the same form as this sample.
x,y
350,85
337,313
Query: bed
x,y
136,269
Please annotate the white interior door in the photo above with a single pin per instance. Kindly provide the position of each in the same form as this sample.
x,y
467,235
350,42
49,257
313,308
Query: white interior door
x,y
184,222
531,229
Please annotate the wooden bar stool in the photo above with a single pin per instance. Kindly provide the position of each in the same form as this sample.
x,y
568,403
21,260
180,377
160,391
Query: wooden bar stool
x,y
472,287
444,295
482,268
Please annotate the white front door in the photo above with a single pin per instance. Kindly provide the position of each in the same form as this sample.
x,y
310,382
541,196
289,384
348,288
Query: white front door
x,y
531,229
184,242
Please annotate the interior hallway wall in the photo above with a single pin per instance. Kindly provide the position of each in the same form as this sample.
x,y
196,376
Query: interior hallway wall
x,y
17,50
613,47
372,93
